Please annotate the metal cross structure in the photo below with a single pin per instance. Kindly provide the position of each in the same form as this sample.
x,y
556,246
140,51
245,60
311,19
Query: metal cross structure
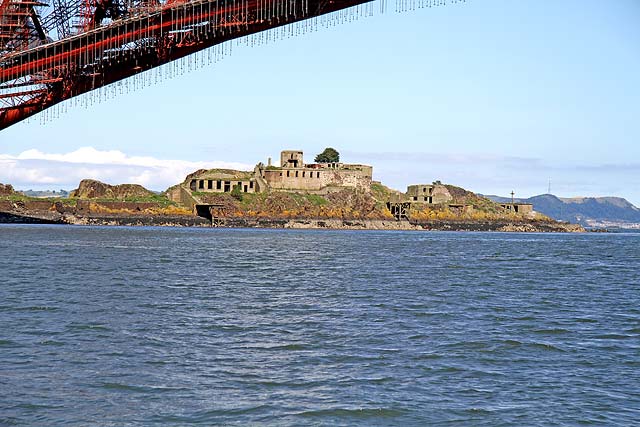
x,y
54,50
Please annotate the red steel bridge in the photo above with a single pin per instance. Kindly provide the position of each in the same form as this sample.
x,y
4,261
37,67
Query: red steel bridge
x,y
53,50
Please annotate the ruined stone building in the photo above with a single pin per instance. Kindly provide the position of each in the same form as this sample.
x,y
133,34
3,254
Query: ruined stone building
x,y
419,194
292,175
223,181
428,193
518,208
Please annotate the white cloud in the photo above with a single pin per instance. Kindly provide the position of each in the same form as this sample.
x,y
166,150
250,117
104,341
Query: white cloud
x,y
36,169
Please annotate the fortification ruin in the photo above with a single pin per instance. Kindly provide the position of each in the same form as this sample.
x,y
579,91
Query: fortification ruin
x,y
292,175
295,176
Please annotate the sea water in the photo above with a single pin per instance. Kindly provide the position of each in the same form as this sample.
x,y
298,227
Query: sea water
x,y
119,326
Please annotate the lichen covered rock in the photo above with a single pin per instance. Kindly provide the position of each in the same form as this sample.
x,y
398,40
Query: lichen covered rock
x,y
6,190
92,189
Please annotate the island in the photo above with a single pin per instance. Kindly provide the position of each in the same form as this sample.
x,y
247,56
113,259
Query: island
x,y
295,194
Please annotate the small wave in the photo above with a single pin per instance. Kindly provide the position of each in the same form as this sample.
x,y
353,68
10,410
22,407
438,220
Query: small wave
x,y
228,328
478,411
288,347
469,345
156,362
6,422
386,350
353,380
585,320
81,327
428,356
365,413
36,308
210,416
302,385
35,406
375,380
139,388
281,347
612,337
546,347
430,313
419,337
125,387
551,331
448,369
9,343
52,342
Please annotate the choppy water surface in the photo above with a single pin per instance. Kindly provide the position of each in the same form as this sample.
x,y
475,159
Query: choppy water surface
x,y
151,326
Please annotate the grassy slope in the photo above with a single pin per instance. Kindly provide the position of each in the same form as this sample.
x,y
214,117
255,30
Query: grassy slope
x,y
483,209
344,204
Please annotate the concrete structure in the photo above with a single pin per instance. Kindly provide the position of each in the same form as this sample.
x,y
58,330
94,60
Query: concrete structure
x,y
294,175
518,208
291,159
428,193
223,181
420,194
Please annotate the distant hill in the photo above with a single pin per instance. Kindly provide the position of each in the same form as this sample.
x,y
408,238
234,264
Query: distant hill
x,y
587,211
46,193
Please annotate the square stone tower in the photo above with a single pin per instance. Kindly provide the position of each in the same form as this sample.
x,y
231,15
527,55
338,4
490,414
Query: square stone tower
x,y
291,159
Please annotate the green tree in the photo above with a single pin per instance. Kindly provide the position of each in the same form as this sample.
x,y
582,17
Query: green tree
x,y
329,155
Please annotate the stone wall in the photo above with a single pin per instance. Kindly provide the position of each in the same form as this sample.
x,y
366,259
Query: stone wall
x,y
294,179
441,194
183,197
213,185
429,193
308,179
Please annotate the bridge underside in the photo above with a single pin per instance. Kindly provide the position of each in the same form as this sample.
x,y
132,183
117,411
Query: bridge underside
x,y
34,79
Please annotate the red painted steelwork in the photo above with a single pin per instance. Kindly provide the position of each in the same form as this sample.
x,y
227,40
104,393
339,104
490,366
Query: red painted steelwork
x,y
37,78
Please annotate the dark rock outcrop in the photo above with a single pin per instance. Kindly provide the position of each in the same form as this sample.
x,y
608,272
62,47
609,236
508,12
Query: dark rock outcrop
x,y
6,190
92,189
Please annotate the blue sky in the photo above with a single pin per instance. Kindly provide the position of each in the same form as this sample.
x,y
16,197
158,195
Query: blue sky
x,y
490,95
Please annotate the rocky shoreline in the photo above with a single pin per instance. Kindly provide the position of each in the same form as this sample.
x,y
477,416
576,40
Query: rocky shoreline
x,y
334,224
99,204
